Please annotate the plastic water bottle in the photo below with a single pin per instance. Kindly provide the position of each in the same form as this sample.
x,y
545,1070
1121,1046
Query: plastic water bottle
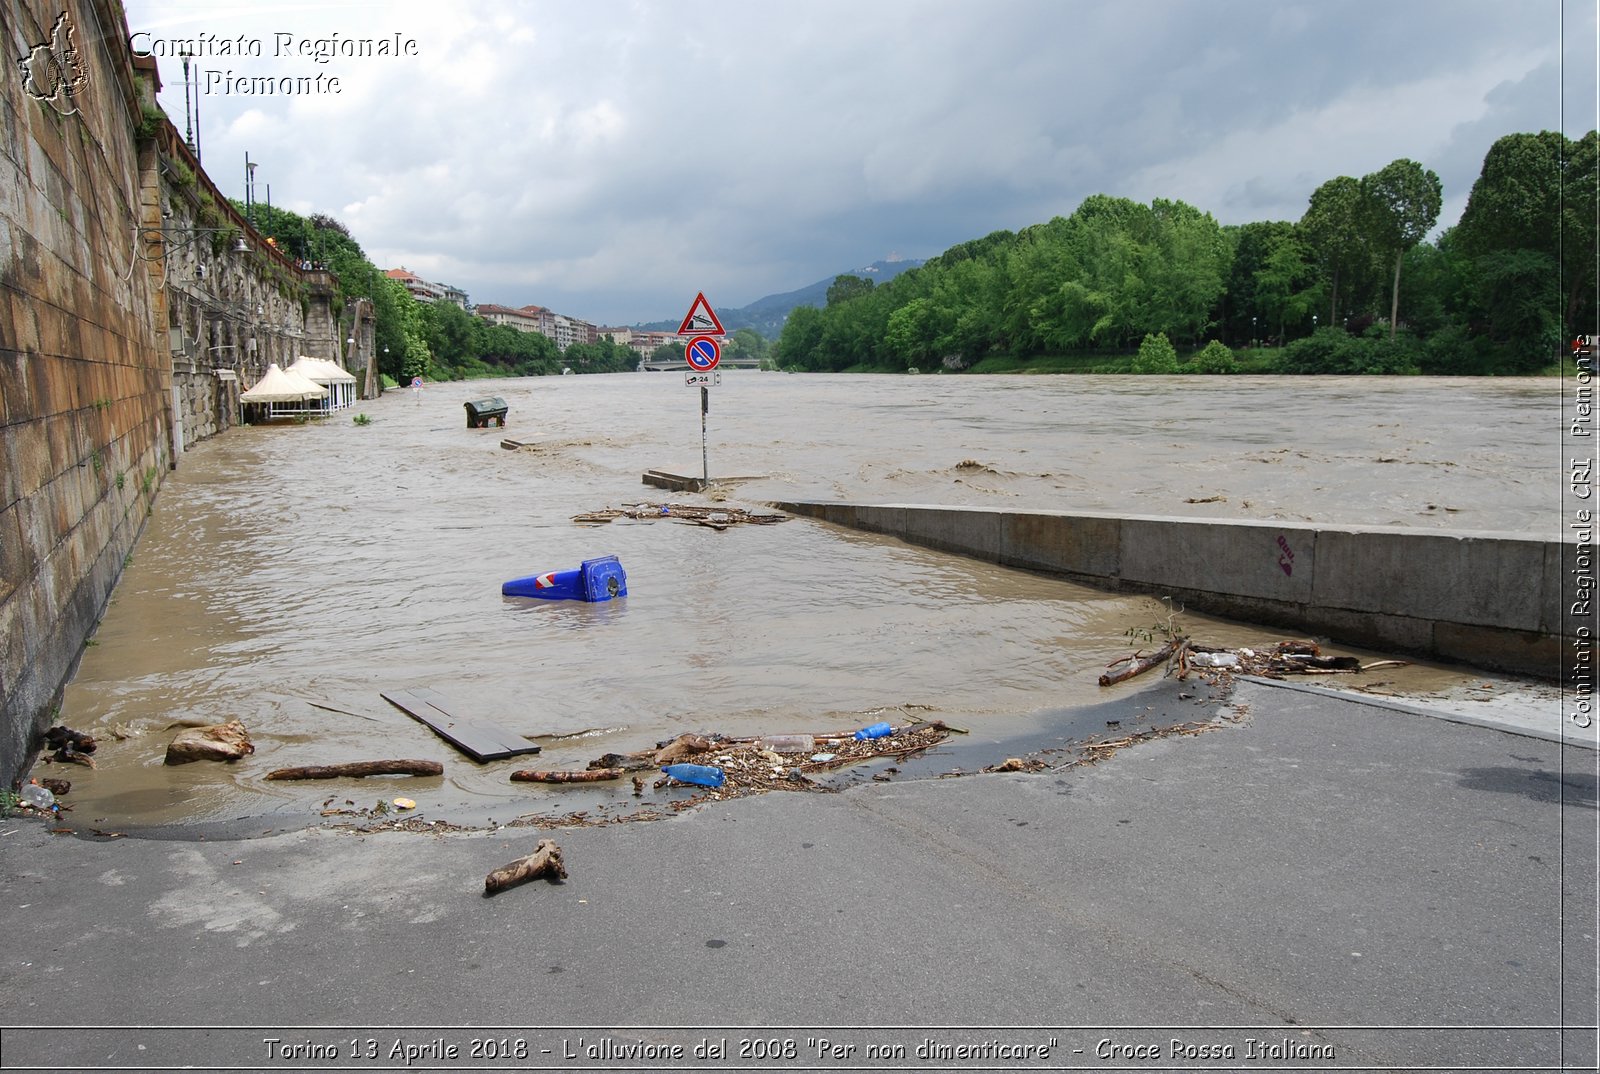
x,y
38,797
788,743
877,730
704,775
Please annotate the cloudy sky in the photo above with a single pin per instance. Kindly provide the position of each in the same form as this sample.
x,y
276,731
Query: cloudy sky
x,y
608,159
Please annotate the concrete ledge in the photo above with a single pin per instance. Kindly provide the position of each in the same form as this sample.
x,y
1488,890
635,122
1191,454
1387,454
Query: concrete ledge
x,y
673,482
1493,600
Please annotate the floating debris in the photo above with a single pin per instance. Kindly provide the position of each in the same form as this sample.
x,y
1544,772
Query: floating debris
x,y
1182,656
71,747
750,766
358,769
718,517
1090,753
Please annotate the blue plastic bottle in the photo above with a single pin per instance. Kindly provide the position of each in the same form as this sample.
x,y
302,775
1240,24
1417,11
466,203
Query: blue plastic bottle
x,y
704,775
877,730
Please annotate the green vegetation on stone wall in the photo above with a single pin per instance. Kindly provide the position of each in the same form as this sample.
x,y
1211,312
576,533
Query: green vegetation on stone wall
x,y
436,341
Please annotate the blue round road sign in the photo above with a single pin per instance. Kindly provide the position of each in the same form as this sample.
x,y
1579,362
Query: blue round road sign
x,y
703,353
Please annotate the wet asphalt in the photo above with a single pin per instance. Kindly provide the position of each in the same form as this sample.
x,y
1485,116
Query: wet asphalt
x,y
1316,881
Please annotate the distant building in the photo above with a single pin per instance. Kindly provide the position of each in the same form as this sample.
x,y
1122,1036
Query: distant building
x,y
562,330
521,320
644,343
570,330
426,290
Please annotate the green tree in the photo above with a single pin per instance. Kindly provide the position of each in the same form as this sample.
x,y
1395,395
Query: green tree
x,y
1402,202
1214,357
1187,270
801,339
1516,293
1334,225
1156,355
1240,310
747,343
389,336
912,332
449,333
1537,192
846,287
669,352
1284,283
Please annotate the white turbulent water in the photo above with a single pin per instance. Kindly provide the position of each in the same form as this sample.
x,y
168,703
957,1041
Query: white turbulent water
x,y
326,562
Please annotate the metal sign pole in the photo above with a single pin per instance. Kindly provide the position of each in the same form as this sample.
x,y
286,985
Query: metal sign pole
x,y
705,466
702,353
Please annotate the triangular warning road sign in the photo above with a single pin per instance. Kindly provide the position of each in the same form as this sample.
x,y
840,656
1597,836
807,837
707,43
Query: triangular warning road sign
x,y
701,320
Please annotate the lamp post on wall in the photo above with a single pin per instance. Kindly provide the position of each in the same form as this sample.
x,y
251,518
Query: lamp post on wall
x,y
249,189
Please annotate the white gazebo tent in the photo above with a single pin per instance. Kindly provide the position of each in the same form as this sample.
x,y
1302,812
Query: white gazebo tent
x,y
341,384
285,393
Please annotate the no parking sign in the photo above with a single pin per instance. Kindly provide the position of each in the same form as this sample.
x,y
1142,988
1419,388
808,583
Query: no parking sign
x,y
703,353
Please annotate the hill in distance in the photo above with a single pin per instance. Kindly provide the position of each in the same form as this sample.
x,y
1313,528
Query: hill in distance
x,y
766,315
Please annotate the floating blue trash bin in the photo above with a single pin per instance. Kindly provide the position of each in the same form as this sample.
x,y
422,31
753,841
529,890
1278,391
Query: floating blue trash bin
x,y
596,580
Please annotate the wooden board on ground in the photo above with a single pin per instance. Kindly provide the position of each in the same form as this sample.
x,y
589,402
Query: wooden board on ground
x,y
480,739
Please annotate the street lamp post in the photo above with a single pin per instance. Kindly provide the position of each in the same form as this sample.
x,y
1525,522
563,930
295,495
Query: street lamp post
x,y
249,190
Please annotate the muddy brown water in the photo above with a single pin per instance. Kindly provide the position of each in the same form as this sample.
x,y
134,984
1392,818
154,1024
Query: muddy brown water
x,y
291,570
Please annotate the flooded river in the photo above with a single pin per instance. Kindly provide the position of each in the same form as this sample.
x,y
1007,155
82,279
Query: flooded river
x,y
290,573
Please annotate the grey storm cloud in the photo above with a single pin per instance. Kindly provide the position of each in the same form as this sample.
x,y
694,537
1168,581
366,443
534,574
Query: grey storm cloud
x,y
610,159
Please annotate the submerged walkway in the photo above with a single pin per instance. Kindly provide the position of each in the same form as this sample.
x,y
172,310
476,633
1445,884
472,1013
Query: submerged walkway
x,y
1318,872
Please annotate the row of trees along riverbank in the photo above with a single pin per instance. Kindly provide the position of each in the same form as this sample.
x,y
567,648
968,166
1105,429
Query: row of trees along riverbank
x,y
1348,288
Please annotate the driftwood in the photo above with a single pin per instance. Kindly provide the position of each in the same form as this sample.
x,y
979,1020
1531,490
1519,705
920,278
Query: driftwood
x,y
544,863
71,747
360,768
593,775
1138,665
627,762
719,517
218,742
686,746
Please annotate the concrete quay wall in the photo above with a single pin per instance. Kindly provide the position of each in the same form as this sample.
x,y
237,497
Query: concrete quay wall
x,y
1491,600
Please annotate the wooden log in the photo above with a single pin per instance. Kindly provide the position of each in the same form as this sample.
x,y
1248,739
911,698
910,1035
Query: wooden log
x,y
592,775
1138,665
685,747
544,863
360,768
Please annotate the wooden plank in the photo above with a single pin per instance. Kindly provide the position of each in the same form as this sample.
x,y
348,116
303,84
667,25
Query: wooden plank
x,y
490,736
480,739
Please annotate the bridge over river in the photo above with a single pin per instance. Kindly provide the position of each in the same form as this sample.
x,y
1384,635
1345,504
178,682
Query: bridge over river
x,y
655,365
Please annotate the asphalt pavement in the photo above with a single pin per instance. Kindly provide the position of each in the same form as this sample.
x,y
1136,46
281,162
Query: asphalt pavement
x,y
1317,882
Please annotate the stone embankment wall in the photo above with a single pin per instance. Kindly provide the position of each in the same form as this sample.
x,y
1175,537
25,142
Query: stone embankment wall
x,y
83,394
1486,599
130,317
